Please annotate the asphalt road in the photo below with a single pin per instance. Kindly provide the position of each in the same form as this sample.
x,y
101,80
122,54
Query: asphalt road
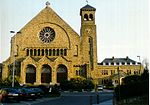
x,y
70,98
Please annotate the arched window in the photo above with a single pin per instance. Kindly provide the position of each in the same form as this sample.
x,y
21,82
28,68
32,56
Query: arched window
x,y
42,52
61,51
46,75
53,52
85,17
65,52
50,52
57,52
27,52
62,73
30,74
38,52
34,52
46,52
31,52
90,17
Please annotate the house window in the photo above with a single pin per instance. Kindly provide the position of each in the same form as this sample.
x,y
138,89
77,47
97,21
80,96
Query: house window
x,y
112,63
77,72
107,63
104,72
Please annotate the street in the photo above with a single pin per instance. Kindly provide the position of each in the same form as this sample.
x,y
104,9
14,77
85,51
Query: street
x,y
70,98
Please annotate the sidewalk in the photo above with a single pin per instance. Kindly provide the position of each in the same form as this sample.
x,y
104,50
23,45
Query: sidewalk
x,y
109,102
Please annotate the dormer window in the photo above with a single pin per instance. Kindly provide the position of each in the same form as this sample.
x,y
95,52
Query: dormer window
x,y
112,63
123,63
128,63
107,63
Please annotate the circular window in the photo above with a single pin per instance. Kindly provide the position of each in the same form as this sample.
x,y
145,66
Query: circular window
x,y
47,35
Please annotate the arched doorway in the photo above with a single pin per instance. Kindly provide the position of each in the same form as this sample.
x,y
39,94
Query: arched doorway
x,y
62,73
30,74
46,75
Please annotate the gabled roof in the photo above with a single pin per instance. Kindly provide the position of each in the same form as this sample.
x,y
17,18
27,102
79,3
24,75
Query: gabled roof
x,y
88,7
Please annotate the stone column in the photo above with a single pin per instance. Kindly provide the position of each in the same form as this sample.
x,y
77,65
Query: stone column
x,y
23,74
54,75
38,74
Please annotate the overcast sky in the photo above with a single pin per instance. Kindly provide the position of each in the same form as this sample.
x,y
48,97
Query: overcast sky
x,y
122,25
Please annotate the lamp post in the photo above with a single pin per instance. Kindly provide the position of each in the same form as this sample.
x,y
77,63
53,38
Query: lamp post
x,y
118,83
140,63
14,54
13,75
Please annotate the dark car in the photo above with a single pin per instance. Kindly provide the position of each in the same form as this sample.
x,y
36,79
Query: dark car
x,y
27,94
7,94
39,92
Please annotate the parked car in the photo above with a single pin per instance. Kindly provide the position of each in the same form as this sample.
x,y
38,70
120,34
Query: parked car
x,y
39,92
100,87
7,94
27,94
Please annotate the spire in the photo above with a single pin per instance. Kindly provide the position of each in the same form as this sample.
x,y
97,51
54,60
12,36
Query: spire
x,y
47,4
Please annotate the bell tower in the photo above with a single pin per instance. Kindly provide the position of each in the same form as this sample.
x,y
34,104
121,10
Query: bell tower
x,y
88,37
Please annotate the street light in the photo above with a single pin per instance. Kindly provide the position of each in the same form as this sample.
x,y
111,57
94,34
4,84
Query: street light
x,y
118,83
140,63
13,75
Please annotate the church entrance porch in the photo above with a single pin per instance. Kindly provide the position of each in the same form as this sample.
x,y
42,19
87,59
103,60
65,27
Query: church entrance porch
x,y
46,74
30,74
62,73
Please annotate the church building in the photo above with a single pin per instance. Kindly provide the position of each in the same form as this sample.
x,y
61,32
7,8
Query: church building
x,y
48,51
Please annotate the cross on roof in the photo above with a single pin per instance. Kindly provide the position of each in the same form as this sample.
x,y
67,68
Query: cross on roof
x,y
87,1
47,4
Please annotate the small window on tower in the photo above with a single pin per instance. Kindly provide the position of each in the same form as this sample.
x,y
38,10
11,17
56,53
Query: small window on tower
x,y
85,17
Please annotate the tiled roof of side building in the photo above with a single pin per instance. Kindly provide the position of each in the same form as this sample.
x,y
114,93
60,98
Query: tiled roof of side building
x,y
118,60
